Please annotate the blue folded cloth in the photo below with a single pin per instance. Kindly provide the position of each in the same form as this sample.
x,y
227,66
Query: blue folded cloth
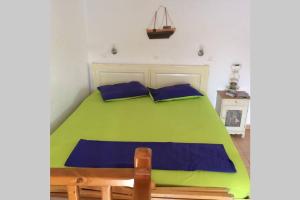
x,y
165,155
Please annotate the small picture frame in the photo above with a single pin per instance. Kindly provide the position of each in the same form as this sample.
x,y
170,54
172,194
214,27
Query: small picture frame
x,y
233,118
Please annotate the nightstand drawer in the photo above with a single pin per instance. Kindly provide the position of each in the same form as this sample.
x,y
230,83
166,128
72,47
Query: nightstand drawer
x,y
235,102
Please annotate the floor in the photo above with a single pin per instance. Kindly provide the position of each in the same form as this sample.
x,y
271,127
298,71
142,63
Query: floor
x,y
243,146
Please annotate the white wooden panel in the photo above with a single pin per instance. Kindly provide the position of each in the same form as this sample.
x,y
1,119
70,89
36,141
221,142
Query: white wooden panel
x,y
119,77
197,76
167,79
117,73
150,75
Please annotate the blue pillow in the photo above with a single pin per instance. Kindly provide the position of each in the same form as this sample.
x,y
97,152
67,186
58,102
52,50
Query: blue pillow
x,y
174,92
123,91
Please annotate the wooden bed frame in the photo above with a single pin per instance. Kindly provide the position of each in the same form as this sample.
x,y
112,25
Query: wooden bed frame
x,y
135,184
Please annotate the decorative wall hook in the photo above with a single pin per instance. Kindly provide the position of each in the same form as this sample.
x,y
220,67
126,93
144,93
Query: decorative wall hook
x,y
200,51
114,50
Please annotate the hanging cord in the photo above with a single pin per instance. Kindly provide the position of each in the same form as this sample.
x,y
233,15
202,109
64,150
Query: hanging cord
x,y
162,23
170,19
152,21
166,15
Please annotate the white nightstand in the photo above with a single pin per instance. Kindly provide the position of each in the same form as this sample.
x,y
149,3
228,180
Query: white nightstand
x,y
233,112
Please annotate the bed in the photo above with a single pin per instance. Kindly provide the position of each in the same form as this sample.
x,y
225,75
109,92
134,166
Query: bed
x,y
191,120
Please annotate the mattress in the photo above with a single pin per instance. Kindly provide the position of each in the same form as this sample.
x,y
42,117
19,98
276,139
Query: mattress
x,y
190,120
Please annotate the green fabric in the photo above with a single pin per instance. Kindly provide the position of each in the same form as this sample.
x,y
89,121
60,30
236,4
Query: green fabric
x,y
173,99
125,98
190,120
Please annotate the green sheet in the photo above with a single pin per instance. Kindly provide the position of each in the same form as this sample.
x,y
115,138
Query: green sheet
x,y
190,120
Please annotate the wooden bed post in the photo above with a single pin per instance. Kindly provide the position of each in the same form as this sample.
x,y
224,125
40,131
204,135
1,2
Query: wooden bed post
x,y
142,174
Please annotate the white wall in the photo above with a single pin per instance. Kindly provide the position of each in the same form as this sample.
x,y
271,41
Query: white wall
x,y
221,27
69,67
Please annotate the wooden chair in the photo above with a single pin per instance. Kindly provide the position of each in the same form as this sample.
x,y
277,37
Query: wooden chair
x,y
74,180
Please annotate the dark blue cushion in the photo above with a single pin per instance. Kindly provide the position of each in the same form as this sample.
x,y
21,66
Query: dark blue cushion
x,y
123,91
174,92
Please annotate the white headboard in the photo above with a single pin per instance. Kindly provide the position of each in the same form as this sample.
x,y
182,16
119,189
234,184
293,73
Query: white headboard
x,y
151,75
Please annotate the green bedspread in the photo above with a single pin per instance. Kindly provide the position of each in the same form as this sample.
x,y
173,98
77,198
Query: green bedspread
x,y
192,120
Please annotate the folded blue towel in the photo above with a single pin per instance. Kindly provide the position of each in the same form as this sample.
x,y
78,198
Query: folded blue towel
x,y
165,155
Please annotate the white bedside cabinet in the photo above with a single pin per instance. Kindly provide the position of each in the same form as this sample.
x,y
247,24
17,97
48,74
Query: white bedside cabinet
x,y
233,112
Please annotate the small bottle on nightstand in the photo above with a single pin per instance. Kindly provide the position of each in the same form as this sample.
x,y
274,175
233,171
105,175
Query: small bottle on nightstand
x,y
233,111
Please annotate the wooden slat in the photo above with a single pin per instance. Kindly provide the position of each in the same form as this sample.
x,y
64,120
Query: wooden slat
x,y
121,197
161,193
58,188
90,193
95,192
106,193
73,192
122,190
92,177
168,192
92,188
94,195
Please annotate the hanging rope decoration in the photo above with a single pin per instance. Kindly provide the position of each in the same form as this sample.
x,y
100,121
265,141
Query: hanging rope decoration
x,y
164,30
